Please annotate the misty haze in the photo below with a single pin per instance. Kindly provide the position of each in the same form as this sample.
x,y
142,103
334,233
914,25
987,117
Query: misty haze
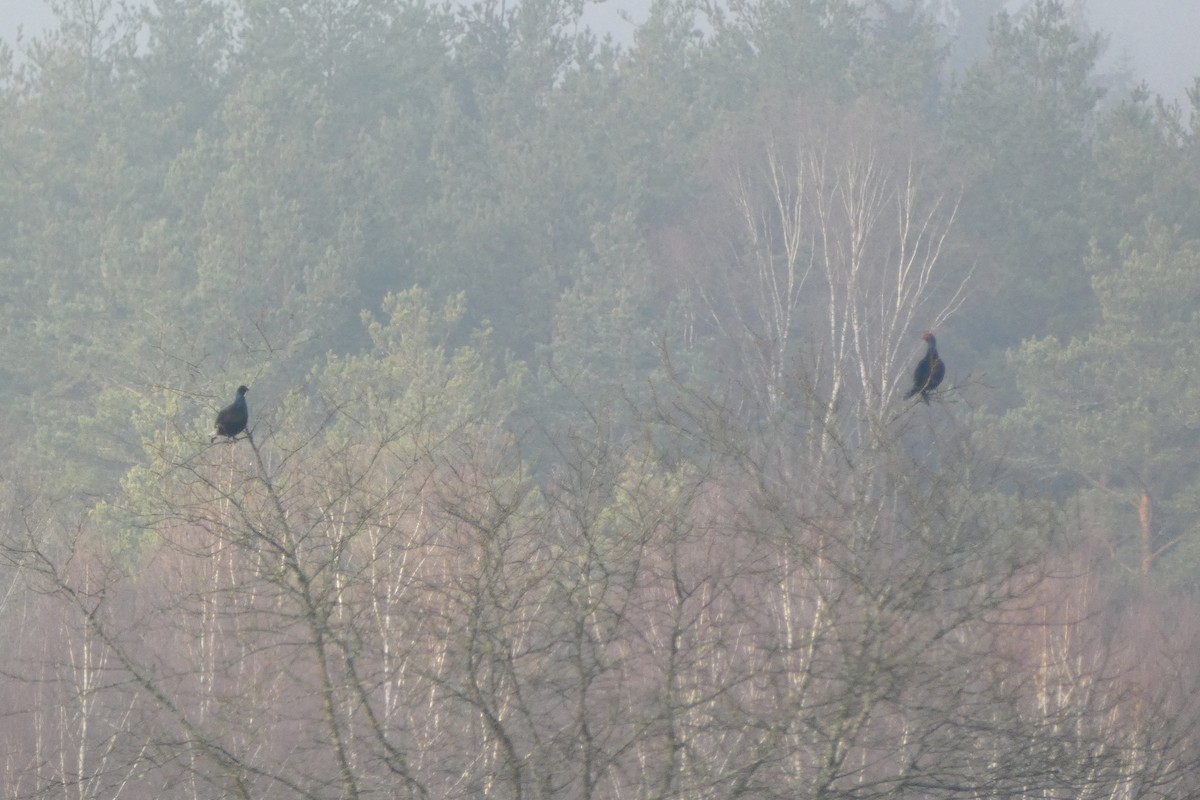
x,y
770,399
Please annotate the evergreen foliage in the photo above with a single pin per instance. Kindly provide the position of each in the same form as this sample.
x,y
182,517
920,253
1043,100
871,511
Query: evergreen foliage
x,y
578,366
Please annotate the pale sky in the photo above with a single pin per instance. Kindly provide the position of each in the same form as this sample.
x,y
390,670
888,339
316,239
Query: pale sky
x,y
1158,36
32,14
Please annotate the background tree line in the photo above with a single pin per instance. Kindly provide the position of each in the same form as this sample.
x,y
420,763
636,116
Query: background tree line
x,y
580,467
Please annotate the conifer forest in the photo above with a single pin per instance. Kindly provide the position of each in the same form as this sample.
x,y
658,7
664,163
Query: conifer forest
x,y
420,400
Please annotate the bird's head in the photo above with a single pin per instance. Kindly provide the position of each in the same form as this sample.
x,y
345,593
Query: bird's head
x,y
927,336
242,390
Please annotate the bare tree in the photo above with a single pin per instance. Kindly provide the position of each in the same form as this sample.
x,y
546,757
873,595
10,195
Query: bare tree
x,y
378,596
827,249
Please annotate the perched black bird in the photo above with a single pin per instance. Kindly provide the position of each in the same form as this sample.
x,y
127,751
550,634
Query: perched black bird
x,y
929,372
232,419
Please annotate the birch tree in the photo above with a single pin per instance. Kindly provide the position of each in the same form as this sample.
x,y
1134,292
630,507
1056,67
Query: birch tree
x,y
825,262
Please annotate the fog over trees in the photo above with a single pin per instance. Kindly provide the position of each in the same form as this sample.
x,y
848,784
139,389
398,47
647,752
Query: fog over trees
x,y
579,462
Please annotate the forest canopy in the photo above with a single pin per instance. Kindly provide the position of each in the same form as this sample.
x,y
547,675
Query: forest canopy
x,y
579,462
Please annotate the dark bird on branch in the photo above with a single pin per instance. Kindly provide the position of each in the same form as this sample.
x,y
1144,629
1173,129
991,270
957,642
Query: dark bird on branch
x,y
929,372
232,419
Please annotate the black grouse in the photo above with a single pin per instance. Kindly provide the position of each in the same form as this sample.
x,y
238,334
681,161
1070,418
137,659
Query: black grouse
x,y
232,419
929,372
